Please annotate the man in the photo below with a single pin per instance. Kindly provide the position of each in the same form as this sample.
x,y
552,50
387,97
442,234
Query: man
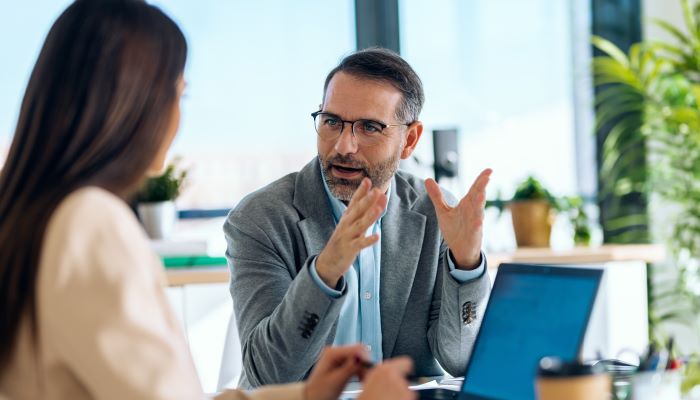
x,y
349,250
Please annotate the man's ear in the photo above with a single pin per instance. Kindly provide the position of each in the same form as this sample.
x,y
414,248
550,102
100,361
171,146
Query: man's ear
x,y
413,134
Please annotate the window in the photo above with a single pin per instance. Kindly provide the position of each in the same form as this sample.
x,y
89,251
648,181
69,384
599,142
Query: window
x,y
501,72
255,72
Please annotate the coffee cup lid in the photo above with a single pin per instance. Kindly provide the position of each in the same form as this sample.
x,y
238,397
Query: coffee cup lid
x,y
556,367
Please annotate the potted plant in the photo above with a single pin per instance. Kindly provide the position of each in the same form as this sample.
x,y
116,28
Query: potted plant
x,y
578,217
156,201
532,210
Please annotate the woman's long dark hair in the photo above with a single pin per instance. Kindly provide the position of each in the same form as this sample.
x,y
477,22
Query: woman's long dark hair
x,y
96,112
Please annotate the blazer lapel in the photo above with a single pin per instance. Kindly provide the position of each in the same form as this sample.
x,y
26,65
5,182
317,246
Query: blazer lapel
x,y
316,222
402,240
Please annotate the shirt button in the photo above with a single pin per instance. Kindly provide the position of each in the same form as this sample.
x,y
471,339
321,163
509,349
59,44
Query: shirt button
x,y
367,295
369,347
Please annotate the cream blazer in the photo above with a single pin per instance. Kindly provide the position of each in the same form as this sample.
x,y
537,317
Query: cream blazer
x,y
105,327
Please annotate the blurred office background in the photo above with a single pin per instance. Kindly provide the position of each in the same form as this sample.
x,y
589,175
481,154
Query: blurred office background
x,y
512,76
505,73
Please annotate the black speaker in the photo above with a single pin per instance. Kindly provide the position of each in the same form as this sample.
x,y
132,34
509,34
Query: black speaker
x,y
446,153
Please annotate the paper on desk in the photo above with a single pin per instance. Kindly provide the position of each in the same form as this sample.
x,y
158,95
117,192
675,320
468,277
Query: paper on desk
x,y
452,383
427,385
350,394
355,393
352,391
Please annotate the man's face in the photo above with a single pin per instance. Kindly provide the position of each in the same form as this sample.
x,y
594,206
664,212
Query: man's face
x,y
344,161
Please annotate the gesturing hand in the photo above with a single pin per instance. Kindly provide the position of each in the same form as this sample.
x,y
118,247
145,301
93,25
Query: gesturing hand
x,y
348,239
461,226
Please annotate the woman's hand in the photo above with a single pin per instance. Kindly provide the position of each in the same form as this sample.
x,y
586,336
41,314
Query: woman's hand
x,y
388,381
333,371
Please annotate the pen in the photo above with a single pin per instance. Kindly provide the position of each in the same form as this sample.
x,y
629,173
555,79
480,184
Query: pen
x,y
365,363
369,365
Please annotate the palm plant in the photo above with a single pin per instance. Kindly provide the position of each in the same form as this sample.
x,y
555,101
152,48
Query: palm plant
x,y
649,98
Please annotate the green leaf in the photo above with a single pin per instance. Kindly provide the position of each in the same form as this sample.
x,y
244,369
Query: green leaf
x,y
610,49
672,30
690,22
668,48
164,187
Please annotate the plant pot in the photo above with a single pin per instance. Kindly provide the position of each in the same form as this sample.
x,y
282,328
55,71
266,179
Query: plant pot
x,y
532,222
158,218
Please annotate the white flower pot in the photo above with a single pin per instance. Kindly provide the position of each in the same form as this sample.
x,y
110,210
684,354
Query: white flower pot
x,y
158,218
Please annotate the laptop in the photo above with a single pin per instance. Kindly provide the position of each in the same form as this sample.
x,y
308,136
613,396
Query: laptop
x,y
534,311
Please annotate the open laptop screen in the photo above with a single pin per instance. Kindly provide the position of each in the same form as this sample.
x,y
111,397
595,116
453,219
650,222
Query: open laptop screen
x,y
533,311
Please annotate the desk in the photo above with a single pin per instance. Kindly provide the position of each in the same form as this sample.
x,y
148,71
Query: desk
x,y
197,275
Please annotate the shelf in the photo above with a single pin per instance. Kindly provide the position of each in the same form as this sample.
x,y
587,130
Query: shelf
x,y
217,272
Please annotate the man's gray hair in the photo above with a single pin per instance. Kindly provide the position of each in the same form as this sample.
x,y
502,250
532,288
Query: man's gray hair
x,y
384,65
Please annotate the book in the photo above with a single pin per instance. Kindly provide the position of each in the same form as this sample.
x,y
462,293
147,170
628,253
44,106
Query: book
x,y
180,247
193,261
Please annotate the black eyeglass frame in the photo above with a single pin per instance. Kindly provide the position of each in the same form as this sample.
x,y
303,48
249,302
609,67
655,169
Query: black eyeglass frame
x,y
352,123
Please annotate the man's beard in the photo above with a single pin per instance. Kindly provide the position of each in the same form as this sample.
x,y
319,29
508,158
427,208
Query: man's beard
x,y
343,189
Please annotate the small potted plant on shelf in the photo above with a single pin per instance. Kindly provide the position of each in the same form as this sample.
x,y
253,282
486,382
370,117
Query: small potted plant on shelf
x,y
532,209
156,201
579,219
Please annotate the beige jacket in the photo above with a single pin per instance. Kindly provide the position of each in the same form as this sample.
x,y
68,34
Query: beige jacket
x,y
106,329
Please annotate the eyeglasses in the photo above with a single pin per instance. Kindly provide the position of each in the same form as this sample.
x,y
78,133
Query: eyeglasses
x,y
366,131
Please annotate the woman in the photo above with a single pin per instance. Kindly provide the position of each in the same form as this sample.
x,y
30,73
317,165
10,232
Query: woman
x,y
84,314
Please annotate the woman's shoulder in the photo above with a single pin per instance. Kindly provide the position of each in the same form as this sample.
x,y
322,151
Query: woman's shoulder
x,y
91,212
92,202
92,225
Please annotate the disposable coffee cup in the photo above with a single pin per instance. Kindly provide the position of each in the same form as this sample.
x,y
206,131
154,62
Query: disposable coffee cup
x,y
562,380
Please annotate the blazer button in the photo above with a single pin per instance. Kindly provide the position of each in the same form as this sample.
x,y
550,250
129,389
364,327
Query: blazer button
x,y
468,313
308,324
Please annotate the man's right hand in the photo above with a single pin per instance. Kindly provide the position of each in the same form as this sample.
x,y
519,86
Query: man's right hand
x,y
348,239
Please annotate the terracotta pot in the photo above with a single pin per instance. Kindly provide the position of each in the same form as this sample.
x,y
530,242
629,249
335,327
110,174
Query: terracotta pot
x,y
532,222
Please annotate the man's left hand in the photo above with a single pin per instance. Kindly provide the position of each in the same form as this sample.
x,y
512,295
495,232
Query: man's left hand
x,y
461,225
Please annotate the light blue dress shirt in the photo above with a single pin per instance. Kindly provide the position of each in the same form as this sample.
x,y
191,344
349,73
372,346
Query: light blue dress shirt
x,y
360,319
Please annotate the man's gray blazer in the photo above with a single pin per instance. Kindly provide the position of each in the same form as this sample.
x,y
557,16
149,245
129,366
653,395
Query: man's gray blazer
x,y
285,320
